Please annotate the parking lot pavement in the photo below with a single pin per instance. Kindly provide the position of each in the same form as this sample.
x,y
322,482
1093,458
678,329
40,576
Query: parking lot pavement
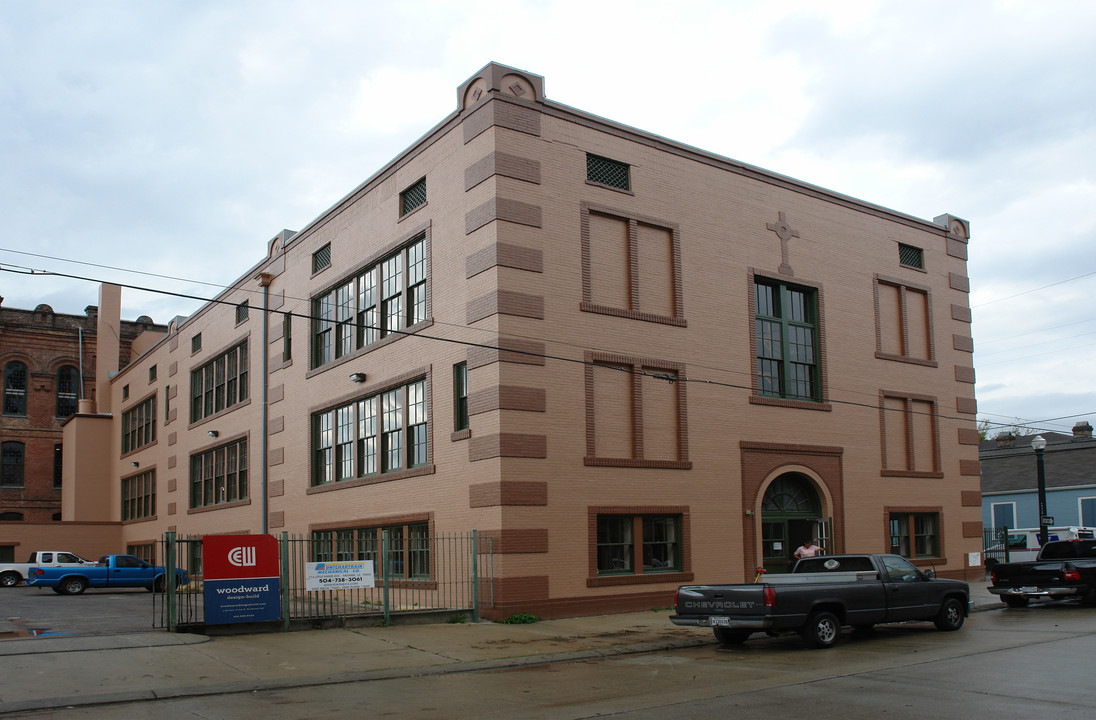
x,y
30,611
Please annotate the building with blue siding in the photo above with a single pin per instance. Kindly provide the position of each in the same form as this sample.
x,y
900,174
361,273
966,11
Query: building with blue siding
x,y
1009,480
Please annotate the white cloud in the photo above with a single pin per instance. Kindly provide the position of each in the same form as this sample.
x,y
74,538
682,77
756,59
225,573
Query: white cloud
x,y
178,137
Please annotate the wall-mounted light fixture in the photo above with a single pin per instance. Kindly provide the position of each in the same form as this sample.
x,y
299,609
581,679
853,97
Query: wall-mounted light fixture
x,y
357,377
213,433
135,464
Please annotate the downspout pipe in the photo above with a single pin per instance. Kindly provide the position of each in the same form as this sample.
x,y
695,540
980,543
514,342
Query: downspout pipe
x,y
264,280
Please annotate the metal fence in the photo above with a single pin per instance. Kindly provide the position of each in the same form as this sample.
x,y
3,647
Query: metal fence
x,y
1006,544
414,574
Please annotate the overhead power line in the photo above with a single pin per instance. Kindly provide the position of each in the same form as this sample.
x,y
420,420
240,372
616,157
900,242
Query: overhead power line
x,y
486,346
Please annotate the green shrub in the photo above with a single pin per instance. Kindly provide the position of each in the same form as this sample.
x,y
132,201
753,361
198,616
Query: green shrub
x,y
519,619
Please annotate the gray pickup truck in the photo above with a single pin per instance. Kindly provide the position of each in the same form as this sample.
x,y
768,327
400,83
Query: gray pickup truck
x,y
823,594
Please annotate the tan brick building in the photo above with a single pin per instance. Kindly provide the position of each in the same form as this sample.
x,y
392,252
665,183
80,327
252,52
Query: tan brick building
x,y
631,363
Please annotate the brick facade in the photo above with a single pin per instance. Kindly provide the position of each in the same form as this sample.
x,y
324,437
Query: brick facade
x,y
45,341
656,391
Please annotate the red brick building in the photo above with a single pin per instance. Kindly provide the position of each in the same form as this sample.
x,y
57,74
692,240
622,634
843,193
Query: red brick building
x,y
41,355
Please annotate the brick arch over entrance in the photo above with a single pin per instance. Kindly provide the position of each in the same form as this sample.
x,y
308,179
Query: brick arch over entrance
x,y
760,461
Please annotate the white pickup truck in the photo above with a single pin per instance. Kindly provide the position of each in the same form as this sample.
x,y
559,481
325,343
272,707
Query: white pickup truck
x,y
12,574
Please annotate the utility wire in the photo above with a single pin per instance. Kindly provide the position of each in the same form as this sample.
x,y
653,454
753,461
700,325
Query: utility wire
x,y
468,343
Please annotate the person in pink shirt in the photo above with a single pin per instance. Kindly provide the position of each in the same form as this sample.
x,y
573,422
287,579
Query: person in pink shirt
x,y
807,549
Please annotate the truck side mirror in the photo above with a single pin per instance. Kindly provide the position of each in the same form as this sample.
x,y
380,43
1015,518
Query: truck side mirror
x,y
929,574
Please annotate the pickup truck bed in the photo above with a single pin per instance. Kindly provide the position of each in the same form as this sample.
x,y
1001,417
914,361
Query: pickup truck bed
x,y
1064,569
822,595
12,574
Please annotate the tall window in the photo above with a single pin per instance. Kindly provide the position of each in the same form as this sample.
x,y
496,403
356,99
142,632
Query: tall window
x,y
915,534
382,433
139,496
11,470
786,322
287,337
1088,511
460,396
68,385
638,544
219,384
407,554
219,475
15,388
1004,515
139,425
241,312
378,301
58,464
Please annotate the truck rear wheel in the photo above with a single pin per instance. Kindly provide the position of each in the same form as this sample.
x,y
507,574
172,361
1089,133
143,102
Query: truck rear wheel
x,y
727,636
951,615
9,579
1014,601
73,585
822,630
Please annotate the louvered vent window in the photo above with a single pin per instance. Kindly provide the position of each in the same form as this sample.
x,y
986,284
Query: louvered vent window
x,y
413,197
911,256
604,171
321,258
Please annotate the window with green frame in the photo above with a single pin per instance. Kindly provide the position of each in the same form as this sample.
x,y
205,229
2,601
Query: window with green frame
x,y
406,548
379,300
786,322
915,534
378,434
638,544
460,396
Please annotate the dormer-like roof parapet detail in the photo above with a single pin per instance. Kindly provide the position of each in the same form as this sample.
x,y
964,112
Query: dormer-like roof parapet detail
x,y
500,80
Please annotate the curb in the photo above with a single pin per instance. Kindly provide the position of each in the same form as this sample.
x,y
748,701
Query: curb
x,y
85,700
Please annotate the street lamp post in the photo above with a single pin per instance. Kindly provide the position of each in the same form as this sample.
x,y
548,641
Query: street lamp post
x,y
1039,444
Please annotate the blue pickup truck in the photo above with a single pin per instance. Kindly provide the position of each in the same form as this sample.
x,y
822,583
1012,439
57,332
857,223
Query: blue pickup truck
x,y
113,571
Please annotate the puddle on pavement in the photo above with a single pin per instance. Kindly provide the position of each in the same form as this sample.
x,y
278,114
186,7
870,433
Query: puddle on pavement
x,y
26,632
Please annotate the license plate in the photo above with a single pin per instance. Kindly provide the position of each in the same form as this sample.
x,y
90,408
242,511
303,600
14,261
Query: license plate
x,y
1029,589
719,621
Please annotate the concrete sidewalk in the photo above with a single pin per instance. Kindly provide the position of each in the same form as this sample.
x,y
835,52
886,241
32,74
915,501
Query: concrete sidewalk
x,y
53,672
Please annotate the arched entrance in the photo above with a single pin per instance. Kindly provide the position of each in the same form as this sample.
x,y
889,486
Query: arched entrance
x,y
790,513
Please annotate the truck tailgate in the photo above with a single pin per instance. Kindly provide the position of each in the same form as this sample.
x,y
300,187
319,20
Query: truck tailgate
x,y
736,606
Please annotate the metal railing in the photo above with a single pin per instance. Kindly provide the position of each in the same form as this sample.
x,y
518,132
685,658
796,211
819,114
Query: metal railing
x,y
448,572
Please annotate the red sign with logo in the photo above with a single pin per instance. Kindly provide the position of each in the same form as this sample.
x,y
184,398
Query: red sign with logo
x,y
239,556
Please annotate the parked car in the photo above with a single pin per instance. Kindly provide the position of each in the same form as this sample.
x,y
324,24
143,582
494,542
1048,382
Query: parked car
x,y
112,571
1063,569
821,595
12,574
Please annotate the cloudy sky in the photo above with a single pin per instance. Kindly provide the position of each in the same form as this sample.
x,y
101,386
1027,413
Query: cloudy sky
x,y
176,138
